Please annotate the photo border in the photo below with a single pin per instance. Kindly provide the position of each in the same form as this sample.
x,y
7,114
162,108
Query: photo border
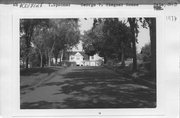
x,y
14,84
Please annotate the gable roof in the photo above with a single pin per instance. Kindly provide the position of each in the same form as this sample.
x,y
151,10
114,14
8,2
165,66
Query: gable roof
x,y
86,57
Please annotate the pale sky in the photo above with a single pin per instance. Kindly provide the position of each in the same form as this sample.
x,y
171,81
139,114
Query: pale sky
x,y
143,36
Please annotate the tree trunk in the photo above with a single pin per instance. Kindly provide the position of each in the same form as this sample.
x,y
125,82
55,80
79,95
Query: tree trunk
x,y
105,59
27,62
50,53
122,55
41,60
28,38
132,25
49,61
56,61
62,54
153,46
48,58
134,55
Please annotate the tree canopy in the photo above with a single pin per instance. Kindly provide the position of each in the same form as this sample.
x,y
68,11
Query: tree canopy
x,y
109,38
48,37
114,39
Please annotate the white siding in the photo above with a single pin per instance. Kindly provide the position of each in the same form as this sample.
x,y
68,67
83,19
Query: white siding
x,y
78,58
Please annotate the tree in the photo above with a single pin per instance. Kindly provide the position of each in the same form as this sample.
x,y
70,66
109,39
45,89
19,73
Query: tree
x,y
151,24
39,35
89,39
66,35
49,41
95,40
48,37
134,30
22,50
109,38
27,27
146,52
121,36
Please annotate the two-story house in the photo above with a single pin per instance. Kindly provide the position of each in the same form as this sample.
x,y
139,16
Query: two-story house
x,y
82,59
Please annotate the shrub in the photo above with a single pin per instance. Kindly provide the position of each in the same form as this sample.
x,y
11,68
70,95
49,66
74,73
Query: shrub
x,y
146,52
67,63
100,62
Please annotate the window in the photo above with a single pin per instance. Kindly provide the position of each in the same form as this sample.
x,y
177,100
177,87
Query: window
x,y
92,57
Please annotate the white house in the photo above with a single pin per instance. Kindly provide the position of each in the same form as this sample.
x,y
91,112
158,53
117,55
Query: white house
x,y
81,59
54,60
77,57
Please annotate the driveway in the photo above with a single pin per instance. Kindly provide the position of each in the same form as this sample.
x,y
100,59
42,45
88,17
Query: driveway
x,y
87,87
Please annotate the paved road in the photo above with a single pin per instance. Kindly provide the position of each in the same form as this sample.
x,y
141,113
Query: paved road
x,y
87,87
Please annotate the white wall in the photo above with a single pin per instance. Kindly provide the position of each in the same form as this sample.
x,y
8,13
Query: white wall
x,y
96,57
78,58
54,60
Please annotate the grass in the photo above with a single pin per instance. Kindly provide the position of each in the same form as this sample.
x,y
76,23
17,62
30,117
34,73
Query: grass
x,y
33,76
32,71
142,76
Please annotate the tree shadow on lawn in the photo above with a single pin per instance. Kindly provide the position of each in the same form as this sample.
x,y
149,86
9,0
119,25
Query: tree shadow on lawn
x,y
98,90
110,90
40,105
34,71
108,95
97,98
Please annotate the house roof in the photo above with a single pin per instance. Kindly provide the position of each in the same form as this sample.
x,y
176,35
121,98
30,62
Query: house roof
x,y
81,52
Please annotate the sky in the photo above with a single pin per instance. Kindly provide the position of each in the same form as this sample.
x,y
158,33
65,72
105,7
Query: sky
x,y
143,36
